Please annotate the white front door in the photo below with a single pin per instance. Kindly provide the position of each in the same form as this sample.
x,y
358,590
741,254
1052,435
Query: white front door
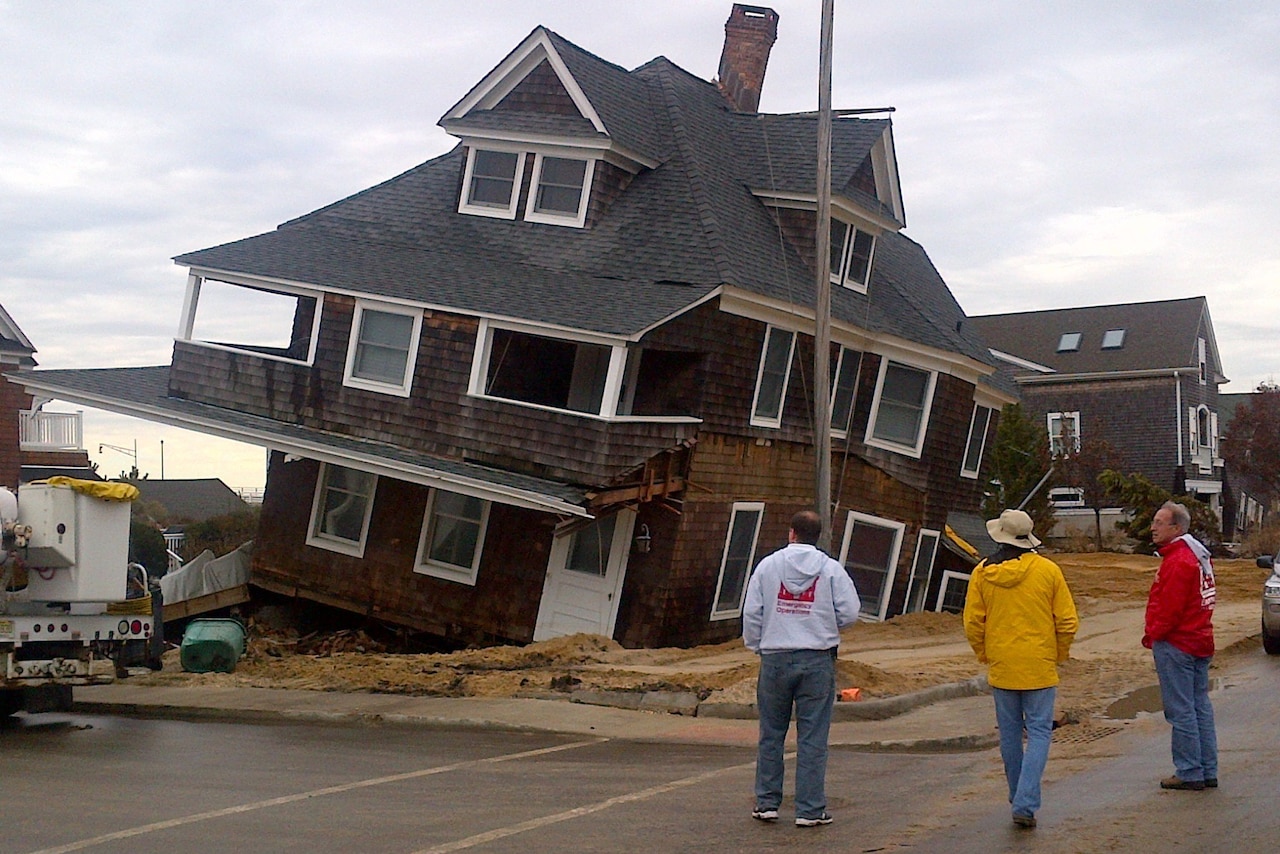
x,y
584,577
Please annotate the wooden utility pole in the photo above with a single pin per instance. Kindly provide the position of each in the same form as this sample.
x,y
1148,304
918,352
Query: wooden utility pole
x,y
822,306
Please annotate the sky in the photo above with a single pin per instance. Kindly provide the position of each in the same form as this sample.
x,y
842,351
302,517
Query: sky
x,y
1051,154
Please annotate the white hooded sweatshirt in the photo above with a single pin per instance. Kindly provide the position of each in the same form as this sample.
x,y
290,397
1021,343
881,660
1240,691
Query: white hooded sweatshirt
x,y
798,598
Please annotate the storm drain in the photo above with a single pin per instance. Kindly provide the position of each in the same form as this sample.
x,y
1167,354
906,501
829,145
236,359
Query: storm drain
x,y
1083,734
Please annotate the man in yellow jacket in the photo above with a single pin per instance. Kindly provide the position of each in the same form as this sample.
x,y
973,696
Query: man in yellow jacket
x,y
1020,620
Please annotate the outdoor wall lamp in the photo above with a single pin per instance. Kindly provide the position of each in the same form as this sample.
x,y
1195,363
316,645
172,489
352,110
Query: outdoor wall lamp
x,y
643,539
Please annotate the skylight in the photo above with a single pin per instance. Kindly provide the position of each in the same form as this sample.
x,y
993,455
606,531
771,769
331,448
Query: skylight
x,y
1069,342
1113,339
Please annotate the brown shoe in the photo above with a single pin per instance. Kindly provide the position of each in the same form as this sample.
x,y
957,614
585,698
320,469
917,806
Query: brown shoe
x,y
1176,782
1024,820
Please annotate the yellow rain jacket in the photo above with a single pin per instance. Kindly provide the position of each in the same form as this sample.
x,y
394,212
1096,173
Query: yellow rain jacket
x,y
1020,619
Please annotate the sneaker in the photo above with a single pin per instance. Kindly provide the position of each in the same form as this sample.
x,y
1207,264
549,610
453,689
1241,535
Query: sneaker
x,y
1176,782
1024,820
825,818
1211,782
763,814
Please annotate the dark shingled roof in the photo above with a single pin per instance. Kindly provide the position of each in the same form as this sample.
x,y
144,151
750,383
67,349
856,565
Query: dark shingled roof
x,y
1158,335
193,500
144,392
676,233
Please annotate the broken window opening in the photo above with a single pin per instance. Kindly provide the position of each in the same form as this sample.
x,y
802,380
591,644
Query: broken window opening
x,y
662,382
547,371
253,319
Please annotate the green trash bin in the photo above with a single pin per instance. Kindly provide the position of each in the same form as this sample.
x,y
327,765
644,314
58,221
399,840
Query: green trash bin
x,y
212,645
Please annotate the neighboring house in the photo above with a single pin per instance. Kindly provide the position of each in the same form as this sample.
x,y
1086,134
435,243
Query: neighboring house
x,y
192,500
559,379
33,444
1143,377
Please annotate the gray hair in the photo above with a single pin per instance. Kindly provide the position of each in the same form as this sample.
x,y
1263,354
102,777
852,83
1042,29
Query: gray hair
x,y
1181,515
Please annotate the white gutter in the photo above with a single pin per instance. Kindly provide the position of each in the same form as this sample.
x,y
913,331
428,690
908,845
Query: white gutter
x,y
1177,398
371,462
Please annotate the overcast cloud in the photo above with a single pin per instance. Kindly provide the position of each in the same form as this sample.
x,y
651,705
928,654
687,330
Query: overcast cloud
x,y
1051,155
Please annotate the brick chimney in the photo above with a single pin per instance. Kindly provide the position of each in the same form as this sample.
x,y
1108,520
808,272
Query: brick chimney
x,y
749,35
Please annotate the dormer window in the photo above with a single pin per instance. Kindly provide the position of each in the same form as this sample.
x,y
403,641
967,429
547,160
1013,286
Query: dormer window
x,y
851,253
559,190
492,183
1113,339
1069,342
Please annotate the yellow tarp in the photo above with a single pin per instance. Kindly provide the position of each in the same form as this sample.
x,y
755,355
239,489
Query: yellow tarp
x,y
960,541
107,490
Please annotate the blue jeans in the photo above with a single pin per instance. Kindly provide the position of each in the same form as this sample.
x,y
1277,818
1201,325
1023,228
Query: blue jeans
x,y
805,678
1031,711
1184,691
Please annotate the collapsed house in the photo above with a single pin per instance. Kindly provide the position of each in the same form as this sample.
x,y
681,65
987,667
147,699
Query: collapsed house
x,y
559,379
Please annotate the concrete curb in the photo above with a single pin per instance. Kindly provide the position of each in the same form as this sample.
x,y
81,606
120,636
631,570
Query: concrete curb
x,y
864,710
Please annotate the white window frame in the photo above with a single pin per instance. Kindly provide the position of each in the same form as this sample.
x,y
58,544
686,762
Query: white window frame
x,y
509,212
762,421
404,387
843,432
1203,360
319,539
909,450
577,220
613,383
840,275
1055,435
886,590
972,473
914,578
191,303
756,507
423,564
1066,496
949,575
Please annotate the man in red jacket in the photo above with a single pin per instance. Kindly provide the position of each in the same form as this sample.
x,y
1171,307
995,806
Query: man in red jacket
x,y
1179,633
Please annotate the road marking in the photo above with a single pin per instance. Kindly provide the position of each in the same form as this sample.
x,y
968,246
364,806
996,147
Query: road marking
x,y
535,823
302,796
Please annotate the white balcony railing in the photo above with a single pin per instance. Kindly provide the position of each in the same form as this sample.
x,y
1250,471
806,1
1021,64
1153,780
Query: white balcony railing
x,y
51,431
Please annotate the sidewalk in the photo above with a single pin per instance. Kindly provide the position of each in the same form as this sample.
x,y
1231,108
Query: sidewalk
x,y
929,721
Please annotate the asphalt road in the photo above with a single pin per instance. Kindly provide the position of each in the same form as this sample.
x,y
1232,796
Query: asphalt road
x,y
106,784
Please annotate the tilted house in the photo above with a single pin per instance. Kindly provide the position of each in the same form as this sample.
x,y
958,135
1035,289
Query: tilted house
x,y
1142,376
559,379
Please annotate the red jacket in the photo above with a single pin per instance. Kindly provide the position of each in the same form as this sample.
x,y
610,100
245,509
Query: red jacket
x,y
1180,606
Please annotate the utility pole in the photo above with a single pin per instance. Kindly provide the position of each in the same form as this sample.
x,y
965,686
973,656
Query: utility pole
x,y
822,306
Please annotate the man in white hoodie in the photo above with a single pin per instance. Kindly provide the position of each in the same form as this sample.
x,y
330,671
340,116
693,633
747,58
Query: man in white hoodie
x,y
798,600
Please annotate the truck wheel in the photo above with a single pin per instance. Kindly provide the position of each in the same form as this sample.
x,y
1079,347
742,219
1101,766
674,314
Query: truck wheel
x,y
1270,642
10,702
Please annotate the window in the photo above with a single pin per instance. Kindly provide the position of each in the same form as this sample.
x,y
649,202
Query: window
x,y
553,372
870,555
922,570
1113,339
977,441
491,185
452,536
662,383
559,190
589,550
1069,342
341,509
1066,496
771,381
738,560
901,409
383,348
1202,356
844,390
275,323
1064,433
851,253
952,593
1202,428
